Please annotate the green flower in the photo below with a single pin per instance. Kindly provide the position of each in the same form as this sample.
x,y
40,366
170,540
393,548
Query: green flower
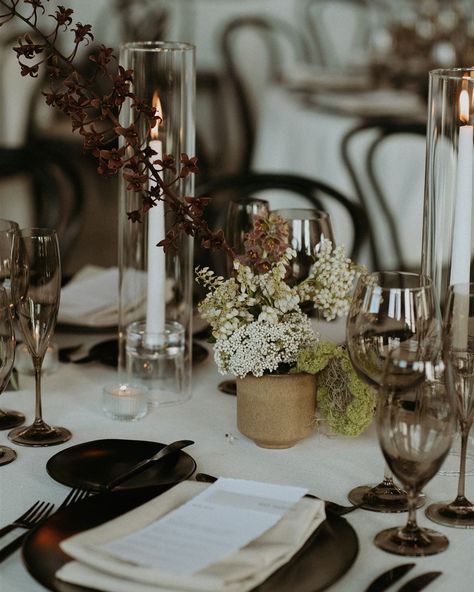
x,y
344,400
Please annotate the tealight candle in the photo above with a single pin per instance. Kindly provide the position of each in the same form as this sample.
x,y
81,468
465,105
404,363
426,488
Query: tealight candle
x,y
124,402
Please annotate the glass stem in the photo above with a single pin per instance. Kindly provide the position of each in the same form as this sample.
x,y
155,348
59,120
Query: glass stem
x,y
37,363
411,525
465,428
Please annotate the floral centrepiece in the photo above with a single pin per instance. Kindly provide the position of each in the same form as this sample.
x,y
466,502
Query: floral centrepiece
x,y
256,317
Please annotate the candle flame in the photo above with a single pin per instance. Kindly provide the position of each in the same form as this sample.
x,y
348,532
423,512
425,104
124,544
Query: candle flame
x,y
464,106
156,103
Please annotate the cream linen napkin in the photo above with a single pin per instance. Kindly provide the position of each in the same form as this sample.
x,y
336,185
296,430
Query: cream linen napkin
x,y
239,572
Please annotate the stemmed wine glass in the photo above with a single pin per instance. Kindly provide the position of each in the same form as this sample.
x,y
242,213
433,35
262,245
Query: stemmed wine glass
x,y
36,287
239,221
459,358
390,311
7,357
307,227
415,422
8,418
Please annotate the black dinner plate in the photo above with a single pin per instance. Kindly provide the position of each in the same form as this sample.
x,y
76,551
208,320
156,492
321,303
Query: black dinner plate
x,y
92,465
325,557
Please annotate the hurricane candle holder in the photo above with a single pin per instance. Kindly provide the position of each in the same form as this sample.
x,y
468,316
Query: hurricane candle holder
x,y
155,287
448,210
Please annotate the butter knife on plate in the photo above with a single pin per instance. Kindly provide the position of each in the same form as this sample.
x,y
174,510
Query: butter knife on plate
x,y
389,577
144,464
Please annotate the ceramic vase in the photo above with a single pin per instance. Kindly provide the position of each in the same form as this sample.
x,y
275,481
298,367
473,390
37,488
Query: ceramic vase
x,y
276,410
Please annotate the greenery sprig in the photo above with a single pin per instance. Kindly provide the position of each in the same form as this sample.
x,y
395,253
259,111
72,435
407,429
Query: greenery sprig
x,y
96,117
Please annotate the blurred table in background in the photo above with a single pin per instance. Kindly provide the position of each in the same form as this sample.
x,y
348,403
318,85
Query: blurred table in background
x,y
302,132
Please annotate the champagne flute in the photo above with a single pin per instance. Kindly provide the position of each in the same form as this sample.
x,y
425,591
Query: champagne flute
x,y
36,287
7,357
459,357
389,311
415,422
8,418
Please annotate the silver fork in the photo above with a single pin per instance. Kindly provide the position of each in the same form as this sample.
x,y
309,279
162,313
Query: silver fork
x,y
75,495
30,518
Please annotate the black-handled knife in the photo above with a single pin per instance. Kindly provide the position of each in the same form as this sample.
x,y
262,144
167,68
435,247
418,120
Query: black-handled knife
x,y
389,577
420,582
144,464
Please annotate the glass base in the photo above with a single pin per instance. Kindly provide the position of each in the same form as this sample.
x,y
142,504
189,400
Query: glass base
x,y
10,419
418,544
452,514
382,498
6,455
39,435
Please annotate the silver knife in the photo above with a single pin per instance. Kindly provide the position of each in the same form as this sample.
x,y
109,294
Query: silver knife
x,y
142,465
389,577
420,582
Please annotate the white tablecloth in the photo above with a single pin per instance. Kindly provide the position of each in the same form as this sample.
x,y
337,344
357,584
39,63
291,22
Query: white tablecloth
x,y
327,466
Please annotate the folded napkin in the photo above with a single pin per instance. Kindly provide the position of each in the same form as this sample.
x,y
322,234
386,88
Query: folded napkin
x,y
90,299
240,571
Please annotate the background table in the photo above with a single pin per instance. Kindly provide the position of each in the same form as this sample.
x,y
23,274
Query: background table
x,y
327,466
297,134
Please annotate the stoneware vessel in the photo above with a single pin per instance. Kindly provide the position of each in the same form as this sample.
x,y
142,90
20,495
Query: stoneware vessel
x,y
276,410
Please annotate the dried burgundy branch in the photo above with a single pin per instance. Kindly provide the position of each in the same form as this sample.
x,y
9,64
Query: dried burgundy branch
x,y
97,117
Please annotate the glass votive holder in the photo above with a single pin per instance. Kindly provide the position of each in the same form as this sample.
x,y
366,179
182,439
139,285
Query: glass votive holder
x,y
125,402
24,361
157,361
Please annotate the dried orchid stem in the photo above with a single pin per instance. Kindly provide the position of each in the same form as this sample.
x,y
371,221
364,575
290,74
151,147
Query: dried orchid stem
x,y
97,117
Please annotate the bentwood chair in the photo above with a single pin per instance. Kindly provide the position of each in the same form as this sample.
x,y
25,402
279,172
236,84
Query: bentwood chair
x,y
254,49
340,31
385,161
38,175
315,194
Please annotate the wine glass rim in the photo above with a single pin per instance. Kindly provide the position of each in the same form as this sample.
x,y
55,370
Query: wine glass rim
x,y
7,225
453,73
150,46
424,280
37,231
301,213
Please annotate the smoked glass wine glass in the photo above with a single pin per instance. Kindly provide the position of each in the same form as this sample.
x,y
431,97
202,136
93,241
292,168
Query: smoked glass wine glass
x,y
390,311
239,222
7,357
459,358
36,287
415,422
307,227
8,418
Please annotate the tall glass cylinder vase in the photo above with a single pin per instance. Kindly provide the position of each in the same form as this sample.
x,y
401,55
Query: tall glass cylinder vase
x,y
448,209
155,288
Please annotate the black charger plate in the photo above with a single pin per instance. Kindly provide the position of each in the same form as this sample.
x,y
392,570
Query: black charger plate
x,y
94,464
324,559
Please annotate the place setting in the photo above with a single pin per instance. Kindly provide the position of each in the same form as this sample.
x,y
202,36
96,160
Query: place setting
x,y
128,467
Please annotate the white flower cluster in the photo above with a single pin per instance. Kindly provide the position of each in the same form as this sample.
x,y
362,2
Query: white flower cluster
x,y
256,319
261,346
329,282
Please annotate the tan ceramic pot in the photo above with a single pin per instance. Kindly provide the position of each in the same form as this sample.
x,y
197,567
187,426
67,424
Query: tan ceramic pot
x,y
276,410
